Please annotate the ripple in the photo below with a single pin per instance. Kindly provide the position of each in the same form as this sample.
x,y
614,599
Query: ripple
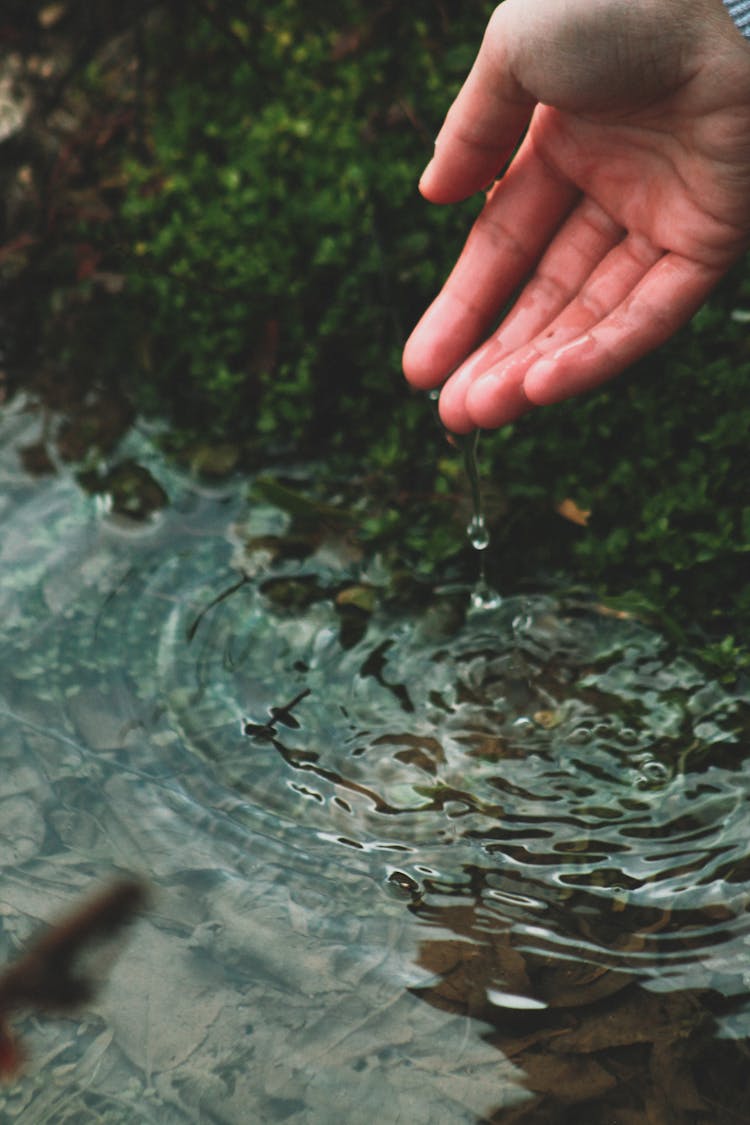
x,y
539,766
570,754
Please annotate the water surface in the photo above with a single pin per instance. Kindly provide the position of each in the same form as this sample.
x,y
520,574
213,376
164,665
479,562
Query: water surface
x,y
447,865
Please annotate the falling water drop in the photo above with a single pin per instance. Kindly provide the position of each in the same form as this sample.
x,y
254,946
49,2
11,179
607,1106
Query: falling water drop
x,y
479,536
483,596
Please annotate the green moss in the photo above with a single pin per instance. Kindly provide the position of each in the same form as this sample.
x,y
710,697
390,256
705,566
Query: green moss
x,y
278,250
276,254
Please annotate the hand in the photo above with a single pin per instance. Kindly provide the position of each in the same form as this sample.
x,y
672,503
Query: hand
x,y
627,200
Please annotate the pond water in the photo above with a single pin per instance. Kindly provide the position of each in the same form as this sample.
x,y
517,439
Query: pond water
x,y
448,866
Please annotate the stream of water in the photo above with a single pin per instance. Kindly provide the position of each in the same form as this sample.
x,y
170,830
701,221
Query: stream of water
x,y
483,596
484,864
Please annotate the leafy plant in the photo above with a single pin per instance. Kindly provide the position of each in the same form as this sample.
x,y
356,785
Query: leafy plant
x,y
247,252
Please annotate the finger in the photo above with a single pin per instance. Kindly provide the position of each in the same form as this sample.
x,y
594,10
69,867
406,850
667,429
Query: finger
x,y
579,246
665,299
521,215
608,286
507,402
483,125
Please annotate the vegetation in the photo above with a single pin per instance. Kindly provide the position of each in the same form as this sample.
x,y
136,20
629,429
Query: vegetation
x,y
239,246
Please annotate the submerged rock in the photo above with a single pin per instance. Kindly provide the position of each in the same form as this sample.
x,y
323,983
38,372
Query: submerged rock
x,y
130,488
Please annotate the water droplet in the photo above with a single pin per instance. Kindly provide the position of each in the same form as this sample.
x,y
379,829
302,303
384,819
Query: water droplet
x,y
483,597
479,536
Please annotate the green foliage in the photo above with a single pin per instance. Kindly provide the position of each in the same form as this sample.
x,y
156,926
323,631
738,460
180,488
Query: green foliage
x,y
277,254
662,461
277,243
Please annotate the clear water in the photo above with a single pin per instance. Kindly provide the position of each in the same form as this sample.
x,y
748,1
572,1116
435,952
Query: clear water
x,y
472,866
483,596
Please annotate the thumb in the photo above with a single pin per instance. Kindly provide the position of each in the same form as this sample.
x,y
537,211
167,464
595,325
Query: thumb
x,y
485,122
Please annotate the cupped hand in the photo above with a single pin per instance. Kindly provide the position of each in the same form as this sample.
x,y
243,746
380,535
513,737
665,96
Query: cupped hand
x,y
625,203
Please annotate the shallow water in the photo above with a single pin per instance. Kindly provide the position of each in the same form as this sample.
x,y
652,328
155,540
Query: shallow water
x,y
452,867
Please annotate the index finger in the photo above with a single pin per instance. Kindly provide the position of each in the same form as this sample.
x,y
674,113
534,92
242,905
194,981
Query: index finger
x,y
482,127
522,214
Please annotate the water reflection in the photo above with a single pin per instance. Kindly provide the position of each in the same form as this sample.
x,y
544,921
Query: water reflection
x,y
486,865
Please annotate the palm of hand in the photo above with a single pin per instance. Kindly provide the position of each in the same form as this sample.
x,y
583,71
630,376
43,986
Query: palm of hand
x,y
627,220
658,176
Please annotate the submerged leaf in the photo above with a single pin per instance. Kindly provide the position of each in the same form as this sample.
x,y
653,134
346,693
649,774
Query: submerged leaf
x,y
297,504
360,597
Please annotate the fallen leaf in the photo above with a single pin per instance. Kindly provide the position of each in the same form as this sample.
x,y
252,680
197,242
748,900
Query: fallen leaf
x,y
570,1079
547,719
361,597
50,14
569,510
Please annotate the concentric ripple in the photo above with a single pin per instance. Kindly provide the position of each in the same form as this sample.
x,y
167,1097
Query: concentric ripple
x,y
560,765
543,769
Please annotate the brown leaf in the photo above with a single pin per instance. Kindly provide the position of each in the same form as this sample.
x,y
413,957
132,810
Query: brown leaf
x,y
575,985
672,1077
568,1079
361,597
640,1017
569,510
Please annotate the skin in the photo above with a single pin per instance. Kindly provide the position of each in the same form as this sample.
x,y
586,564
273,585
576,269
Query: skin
x,y
624,204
